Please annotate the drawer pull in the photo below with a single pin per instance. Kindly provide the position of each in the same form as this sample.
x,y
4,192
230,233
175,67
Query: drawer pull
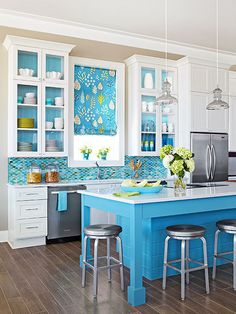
x,y
35,227
31,194
36,208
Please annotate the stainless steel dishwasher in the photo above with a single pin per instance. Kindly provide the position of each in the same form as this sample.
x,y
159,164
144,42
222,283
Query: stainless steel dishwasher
x,y
67,223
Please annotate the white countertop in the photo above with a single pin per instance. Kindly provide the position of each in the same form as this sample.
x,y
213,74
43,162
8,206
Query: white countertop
x,y
69,183
167,194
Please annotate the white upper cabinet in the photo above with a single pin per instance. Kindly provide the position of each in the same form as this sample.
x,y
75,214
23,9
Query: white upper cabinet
x,y
38,97
204,79
199,78
150,126
196,80
223,80
199,115
232,111
204,120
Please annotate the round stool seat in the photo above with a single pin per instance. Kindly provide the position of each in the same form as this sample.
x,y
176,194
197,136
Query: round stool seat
x,y
188,231
227,225
102,230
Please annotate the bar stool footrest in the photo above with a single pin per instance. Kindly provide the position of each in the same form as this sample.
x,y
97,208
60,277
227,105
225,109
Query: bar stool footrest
x,y
90,265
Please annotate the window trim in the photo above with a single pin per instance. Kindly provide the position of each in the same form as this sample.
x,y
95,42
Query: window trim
x,y
120,75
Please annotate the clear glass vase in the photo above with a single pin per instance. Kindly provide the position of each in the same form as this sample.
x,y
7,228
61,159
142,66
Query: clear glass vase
x,y
179,186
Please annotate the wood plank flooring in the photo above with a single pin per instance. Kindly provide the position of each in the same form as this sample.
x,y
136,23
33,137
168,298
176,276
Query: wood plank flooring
x,y
47,279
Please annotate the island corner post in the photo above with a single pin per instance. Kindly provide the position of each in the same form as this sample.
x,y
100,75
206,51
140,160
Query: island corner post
x,y
136,291
145,223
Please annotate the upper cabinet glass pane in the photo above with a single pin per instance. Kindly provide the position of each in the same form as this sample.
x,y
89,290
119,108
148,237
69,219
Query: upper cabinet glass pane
x,y
148,78
170,75
54,67
27,63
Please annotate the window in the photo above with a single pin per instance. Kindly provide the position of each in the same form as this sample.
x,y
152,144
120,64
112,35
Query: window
x,y
96,113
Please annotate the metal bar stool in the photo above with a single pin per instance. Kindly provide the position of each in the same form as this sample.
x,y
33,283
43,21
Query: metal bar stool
x,y
101,232
228,226
185,233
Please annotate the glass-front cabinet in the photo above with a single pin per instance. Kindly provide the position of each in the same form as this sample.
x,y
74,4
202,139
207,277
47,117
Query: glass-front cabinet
x,y
150,126
38,97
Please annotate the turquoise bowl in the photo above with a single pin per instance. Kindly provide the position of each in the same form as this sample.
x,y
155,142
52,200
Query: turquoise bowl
x,y
142,190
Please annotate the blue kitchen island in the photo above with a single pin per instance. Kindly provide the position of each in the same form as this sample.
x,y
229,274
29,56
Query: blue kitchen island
x,y
145,217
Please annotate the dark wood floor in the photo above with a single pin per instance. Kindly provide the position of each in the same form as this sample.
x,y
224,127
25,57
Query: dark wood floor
x,y
47,279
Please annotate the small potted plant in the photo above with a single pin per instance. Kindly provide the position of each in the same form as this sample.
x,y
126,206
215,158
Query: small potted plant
x,y
86,151
102,153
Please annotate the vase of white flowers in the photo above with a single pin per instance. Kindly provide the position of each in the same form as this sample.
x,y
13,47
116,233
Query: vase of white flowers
x,y
178,161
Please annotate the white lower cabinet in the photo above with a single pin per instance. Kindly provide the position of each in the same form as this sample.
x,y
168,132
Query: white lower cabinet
x,y
99,216
31,228
27,216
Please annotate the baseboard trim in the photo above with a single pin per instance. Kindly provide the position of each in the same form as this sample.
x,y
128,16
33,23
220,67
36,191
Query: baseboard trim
x,y
4,236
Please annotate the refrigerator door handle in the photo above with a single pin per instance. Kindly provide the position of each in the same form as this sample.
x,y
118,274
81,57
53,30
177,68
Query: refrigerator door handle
x,y
213,153
208,157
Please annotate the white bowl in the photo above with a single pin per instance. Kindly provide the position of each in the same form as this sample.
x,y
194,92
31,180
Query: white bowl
x,y
31,101
30,95
26,72
49,125
53,75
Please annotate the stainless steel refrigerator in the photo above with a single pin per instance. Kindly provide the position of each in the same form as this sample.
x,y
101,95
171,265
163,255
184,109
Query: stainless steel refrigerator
x,y
211,157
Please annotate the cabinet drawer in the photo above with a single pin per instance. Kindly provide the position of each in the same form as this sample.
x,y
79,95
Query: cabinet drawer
x,y
30,228
31,194
31,209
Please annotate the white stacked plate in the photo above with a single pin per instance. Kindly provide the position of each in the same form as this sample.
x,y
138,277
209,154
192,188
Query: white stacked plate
x,y
52,149
30,100
25,147
51,146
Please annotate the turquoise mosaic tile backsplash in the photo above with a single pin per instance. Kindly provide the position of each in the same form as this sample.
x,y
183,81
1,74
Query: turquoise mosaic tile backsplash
x,y
152,168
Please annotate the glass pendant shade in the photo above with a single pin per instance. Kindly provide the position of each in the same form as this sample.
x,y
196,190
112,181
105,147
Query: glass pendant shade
x,y
166,97
217,102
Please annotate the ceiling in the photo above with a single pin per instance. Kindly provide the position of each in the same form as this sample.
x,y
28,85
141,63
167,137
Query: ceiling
x,y
189,21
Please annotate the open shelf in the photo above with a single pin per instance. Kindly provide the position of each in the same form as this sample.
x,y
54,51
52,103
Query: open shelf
x,y
54,107
54,130
27,105
143,132
27,129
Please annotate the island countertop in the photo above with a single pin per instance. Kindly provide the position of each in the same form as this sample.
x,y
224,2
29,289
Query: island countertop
x,y
167,194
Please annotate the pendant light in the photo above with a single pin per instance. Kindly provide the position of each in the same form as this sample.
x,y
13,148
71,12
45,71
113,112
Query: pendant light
x,y
166,98
217,103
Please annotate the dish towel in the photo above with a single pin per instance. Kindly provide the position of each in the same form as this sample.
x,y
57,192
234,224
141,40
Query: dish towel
x,y
126,194
62,201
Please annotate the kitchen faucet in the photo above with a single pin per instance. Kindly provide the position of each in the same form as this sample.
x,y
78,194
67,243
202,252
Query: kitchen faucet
x,y
98,171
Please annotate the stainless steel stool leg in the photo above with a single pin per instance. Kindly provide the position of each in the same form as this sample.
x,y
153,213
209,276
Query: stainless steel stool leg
x,y
183,269
109,259
122,285
205,264
187,261
95,272
215,254
84,260
165,262
234,263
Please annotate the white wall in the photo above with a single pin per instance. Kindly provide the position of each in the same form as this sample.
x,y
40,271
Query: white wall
x,y
3,139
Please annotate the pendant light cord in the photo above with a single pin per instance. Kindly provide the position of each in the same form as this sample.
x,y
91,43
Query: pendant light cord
x,y
217,42
166,38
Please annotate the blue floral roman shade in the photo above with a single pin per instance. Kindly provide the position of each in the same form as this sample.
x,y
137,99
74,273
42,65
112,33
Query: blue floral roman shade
x,y
94,101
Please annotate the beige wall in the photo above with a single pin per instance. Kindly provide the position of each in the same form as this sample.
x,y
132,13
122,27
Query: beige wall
x,y
3,139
